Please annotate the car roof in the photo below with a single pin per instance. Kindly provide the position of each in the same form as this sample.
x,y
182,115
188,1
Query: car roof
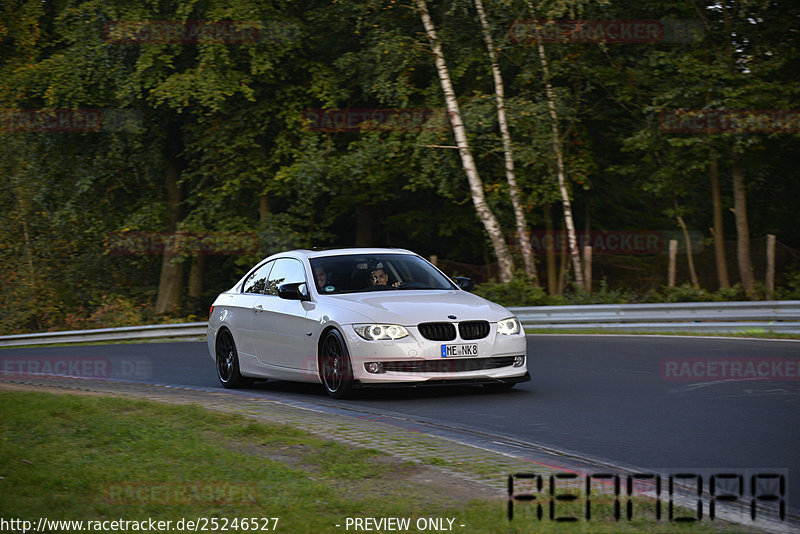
x,y
318,253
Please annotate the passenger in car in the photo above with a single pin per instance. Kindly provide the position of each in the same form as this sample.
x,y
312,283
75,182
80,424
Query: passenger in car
x,y
321,277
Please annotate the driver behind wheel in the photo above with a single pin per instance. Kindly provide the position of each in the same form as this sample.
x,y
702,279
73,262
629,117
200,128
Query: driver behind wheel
x,y
378,277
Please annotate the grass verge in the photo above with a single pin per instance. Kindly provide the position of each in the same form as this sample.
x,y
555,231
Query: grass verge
x,y
87,457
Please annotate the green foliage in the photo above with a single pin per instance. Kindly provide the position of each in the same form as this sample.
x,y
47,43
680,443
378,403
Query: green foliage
x,y
790,290
730,294
601,295
687,293
517,292
111,311
230,120
520,292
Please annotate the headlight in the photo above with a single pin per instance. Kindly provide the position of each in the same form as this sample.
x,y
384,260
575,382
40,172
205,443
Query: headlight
x,y
380,332
509,326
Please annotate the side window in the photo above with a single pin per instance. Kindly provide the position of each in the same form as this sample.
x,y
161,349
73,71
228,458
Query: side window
x,y
286,271
257,282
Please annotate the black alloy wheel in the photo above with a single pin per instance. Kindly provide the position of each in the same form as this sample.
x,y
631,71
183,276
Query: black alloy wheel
x,y
228,362
335,370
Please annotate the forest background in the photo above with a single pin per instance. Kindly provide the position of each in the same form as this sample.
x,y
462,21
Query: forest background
x,y
252,127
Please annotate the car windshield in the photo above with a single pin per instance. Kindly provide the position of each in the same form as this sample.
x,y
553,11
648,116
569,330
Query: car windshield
x,y
379,272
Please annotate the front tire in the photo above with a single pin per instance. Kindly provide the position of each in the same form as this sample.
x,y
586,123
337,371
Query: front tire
x,y
228,362
334,364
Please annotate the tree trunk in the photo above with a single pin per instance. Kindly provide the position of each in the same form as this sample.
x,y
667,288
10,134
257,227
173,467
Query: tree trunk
x,y
687,239
365,223
563,269
170,286
770,276
742,230
499,91
196,272
718,233
263,207
490,223
587,264
552,268
31,271
673,262
559,153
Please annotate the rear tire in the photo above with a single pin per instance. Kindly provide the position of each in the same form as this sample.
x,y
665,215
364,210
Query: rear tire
x,y
335,372
228,362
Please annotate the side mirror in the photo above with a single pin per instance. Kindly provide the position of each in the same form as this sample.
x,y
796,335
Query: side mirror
x,y
467,284
295,291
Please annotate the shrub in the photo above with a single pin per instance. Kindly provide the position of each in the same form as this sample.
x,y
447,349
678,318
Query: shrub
x,y
114,311
731,294
601,295
517,292
687,293
790,290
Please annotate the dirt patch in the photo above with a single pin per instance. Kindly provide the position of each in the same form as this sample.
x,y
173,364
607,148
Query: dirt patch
x,y
394,478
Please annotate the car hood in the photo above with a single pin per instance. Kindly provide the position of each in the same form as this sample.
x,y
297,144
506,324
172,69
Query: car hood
x,y
410,307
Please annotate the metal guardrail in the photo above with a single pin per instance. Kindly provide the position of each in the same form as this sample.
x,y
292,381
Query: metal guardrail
x,y
722,317
155,331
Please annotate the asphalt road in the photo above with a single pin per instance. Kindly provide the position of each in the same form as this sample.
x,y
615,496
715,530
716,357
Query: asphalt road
x,y
612,399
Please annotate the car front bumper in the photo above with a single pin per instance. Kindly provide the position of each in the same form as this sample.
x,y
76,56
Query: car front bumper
x,y
415,361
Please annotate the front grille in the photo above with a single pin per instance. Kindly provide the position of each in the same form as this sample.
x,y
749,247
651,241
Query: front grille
x,y
449,365
473,329
437,331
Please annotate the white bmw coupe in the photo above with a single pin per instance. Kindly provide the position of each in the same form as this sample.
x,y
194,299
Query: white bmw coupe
x,y
359,318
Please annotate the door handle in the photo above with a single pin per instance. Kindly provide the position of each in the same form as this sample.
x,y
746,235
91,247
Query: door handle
x,y
258,308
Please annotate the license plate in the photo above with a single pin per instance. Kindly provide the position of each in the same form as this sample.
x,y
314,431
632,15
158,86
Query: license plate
x,y
457,351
